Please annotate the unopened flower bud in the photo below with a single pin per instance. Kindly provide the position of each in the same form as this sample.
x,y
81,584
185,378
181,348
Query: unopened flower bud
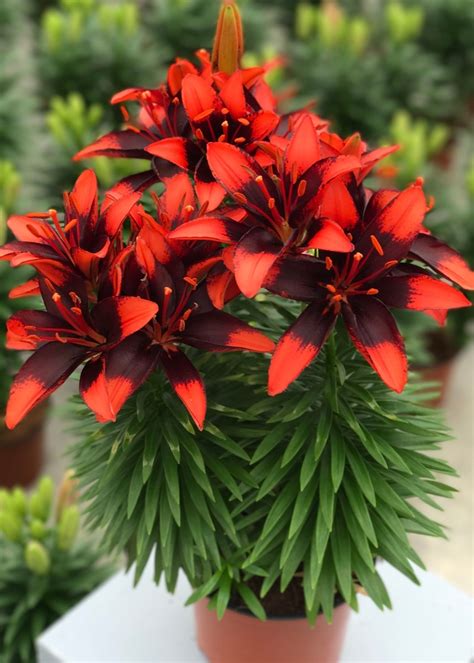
x,y
67,493
229,39
10,526
19,502
68,527
42,498
38,529
37,558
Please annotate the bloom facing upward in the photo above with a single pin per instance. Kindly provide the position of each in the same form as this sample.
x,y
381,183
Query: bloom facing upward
x,y
361,286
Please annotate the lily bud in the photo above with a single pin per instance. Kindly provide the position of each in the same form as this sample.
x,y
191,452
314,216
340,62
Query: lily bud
x,y
42,498
229,39
38,529
37,558
10,526
68,527
19,502
67,493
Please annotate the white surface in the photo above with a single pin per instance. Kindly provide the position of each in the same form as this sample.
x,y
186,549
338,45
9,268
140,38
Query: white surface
x,y
431,624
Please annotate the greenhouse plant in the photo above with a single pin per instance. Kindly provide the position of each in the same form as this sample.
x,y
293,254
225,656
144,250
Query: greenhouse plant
x,y
246,413
44,570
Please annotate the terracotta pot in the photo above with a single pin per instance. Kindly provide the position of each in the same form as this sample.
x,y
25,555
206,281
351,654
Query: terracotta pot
x,y
21,450
239,638
440,373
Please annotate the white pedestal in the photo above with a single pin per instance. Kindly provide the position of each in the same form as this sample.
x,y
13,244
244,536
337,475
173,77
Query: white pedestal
x,y
119,624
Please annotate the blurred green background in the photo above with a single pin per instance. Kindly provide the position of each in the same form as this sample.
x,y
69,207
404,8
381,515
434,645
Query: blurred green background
x,y
395,70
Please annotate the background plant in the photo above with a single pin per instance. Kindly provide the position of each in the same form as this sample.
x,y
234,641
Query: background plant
x,y
44,570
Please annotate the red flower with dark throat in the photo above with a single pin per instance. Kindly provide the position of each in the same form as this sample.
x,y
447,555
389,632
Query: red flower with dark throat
x,y
362,286
75,246
178,119
64,336
282,205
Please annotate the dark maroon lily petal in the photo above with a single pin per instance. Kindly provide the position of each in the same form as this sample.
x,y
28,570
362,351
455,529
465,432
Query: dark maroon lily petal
x,y
119,317
187,383
445,260
129,185
297,277
40,375
254,256
391,232
237,173
419,292
127,143
375,335
220,331
127,366
299,345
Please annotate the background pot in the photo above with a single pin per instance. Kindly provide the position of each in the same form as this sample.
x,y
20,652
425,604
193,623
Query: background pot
x,y
21,450
239,638
440,373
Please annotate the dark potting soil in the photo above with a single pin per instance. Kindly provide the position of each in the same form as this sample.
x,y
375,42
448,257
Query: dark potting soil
x,y
288,604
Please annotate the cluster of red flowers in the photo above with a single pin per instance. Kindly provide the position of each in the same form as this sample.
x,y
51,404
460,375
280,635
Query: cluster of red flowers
x,y
252,200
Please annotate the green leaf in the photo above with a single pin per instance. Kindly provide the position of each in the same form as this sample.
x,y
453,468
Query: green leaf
x,y
299,437
362,475
371,582
251,601
151,502
308,468
338,458
341,554
279,508
270,441
322,432
326,588
223,594
171,473
304,505
357,535
204,590
150,449
321,536
136,486
359,507
326,492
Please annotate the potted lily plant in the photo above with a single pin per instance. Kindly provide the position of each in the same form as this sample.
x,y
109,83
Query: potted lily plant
x,y
275,477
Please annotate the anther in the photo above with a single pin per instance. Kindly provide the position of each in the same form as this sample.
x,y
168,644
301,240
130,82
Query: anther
x,y
199,134
329,263
302,188
239,140
372,291
376,244
358,256
240,198
243,121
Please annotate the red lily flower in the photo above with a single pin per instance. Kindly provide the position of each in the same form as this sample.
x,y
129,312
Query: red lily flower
x,y
282,204
68,334
186,316
78,245
178,119
361,286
